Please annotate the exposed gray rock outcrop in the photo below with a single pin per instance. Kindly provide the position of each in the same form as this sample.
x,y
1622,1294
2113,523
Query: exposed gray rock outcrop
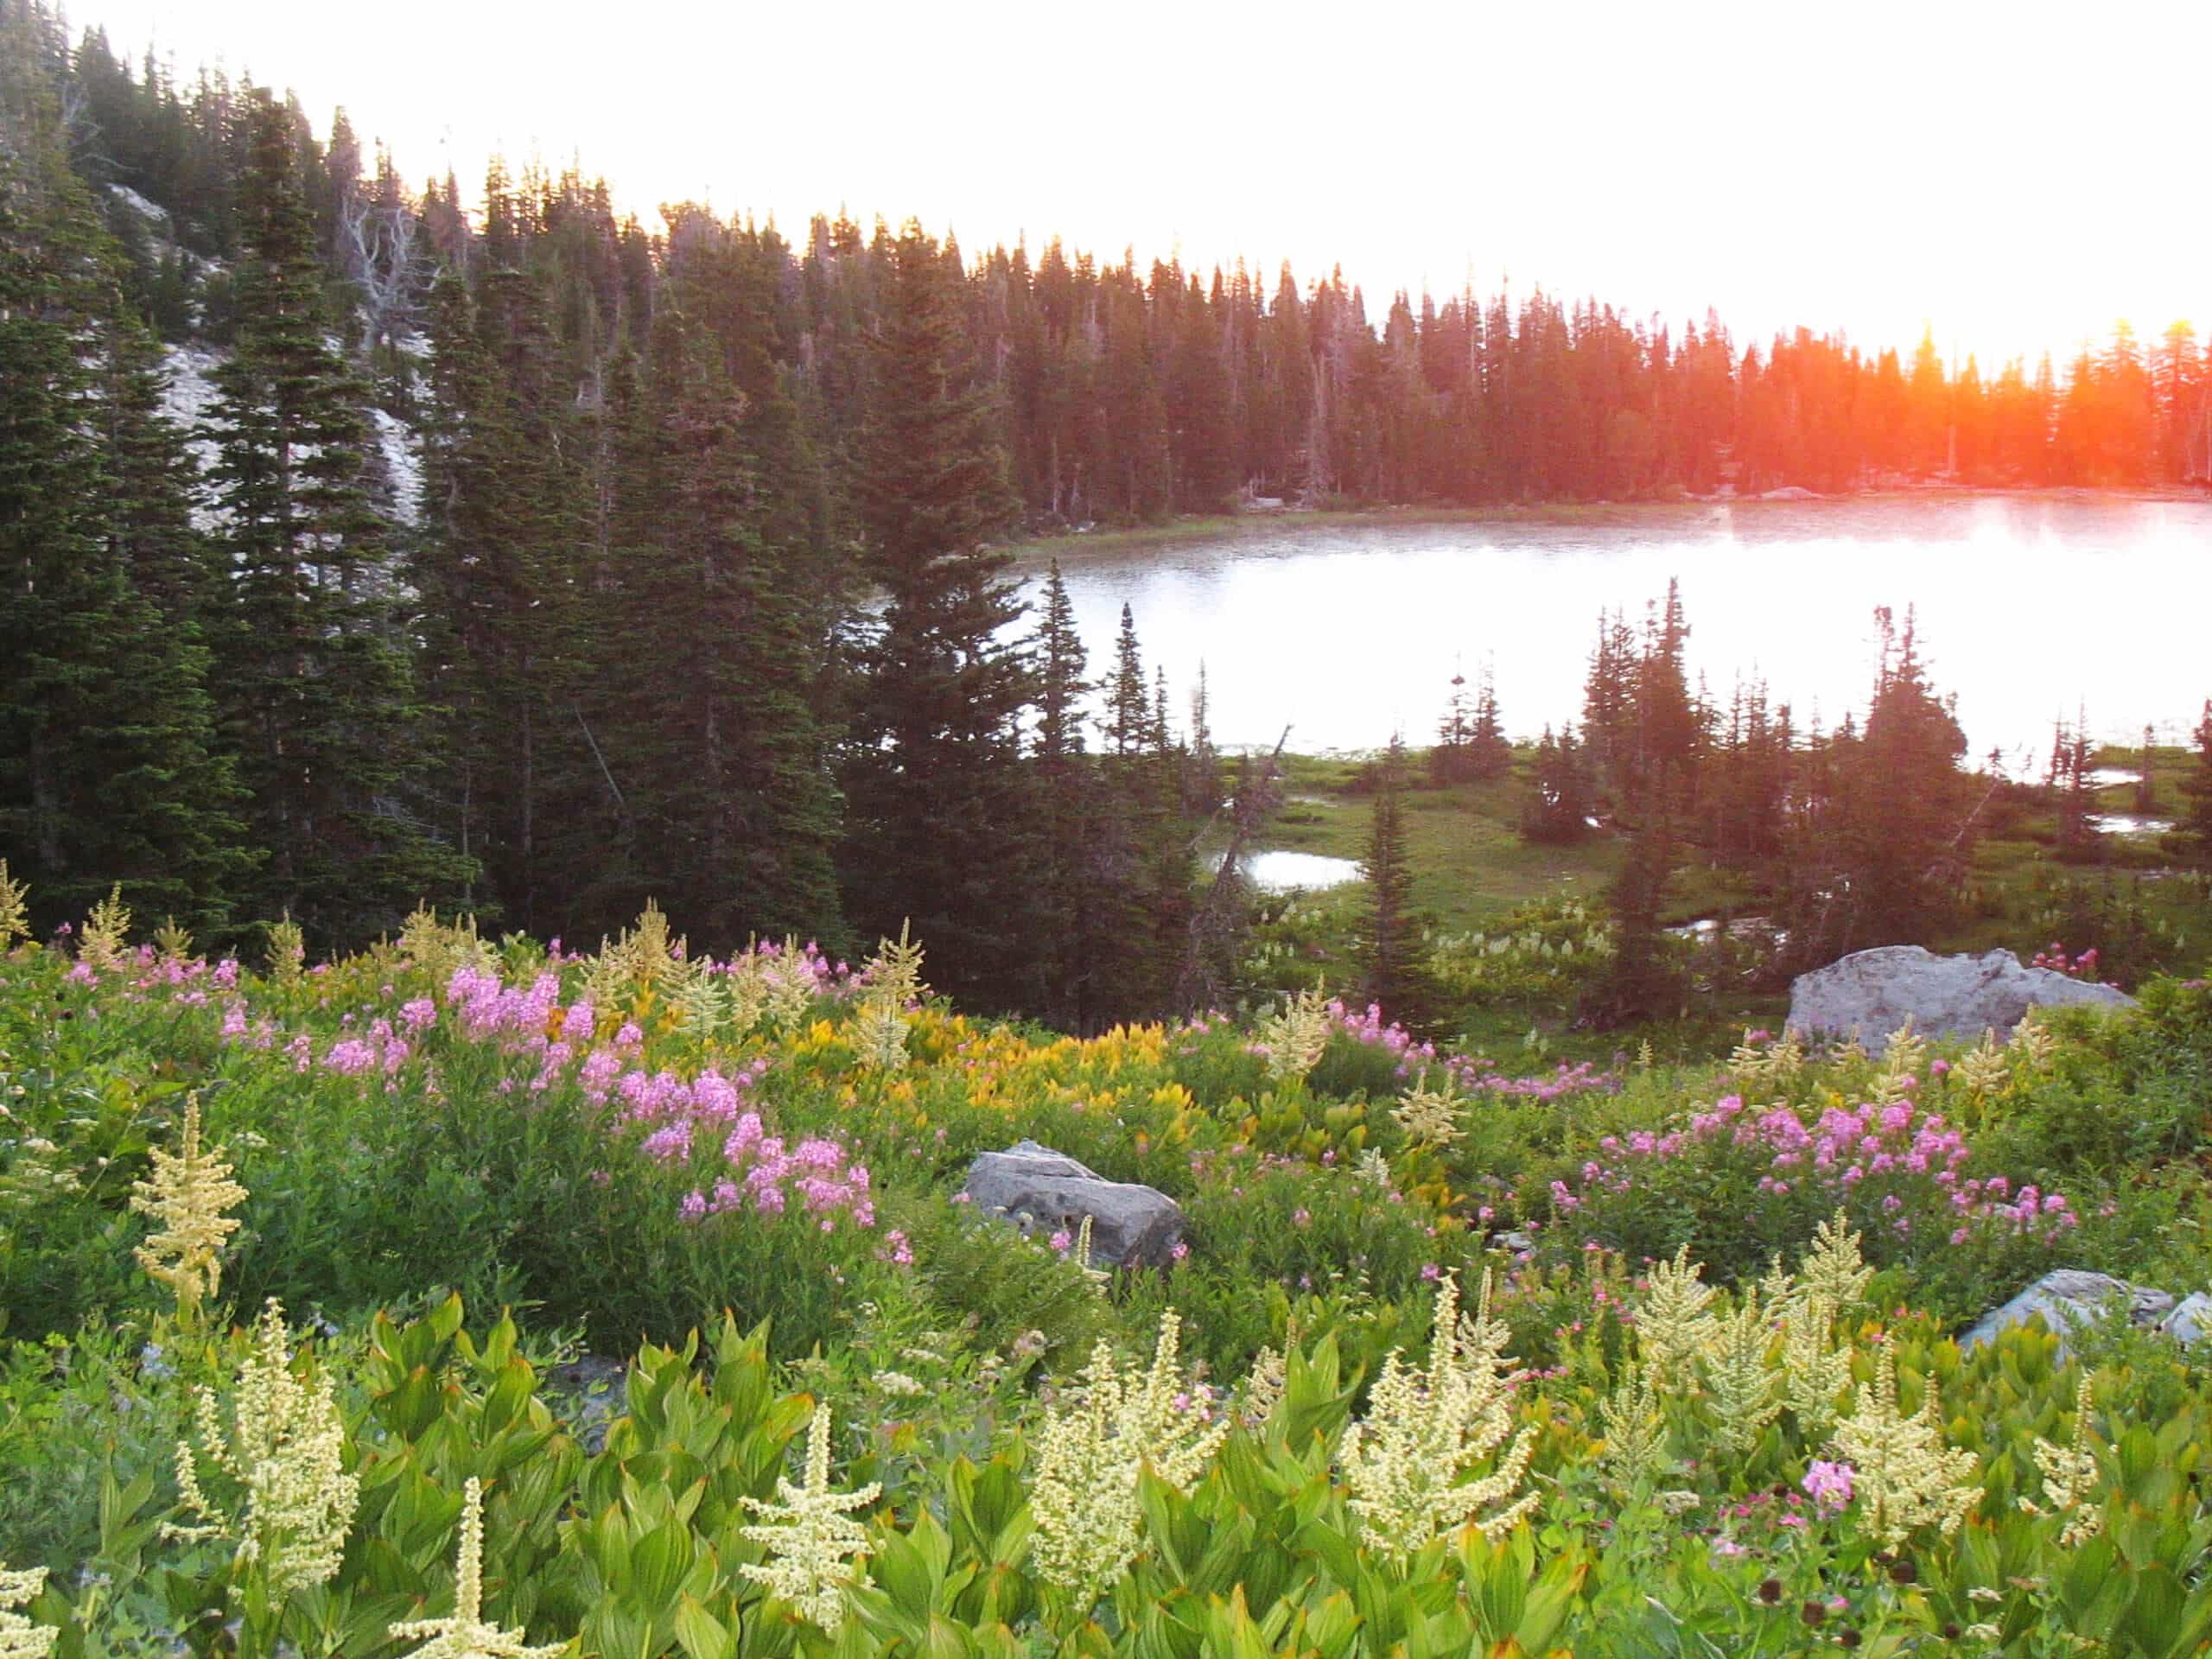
x,y
2192,1321
2071,1297
1042,1191
1874,992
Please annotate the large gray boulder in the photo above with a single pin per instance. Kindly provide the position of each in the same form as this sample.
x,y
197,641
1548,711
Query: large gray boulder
x,y
1042,1191
1873,992
2071,1297
2192,1321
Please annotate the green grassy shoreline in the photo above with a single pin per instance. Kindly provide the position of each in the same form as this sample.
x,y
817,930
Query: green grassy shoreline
x,y
1226,526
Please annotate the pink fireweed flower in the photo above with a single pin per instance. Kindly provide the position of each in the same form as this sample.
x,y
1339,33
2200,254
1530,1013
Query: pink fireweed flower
x,y
1829,1485
349,1058
578,1024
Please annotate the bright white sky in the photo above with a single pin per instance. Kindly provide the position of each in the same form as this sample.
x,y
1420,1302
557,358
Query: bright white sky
x,y
2019,174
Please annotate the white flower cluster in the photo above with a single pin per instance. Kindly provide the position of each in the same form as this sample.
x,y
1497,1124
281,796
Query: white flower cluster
x,y
1429,1116
2069,1478
1295,1036
19,1637
1092,1452
1428,1428
286,1448
188,1195
812,1543
466,1635
1906,1476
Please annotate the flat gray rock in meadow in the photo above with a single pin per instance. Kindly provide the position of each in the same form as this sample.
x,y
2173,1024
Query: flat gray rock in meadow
x,y
1874,992
1041,1190
2069,1298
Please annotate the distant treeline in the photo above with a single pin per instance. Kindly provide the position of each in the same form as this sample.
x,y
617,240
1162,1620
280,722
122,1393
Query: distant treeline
x,y
1118,391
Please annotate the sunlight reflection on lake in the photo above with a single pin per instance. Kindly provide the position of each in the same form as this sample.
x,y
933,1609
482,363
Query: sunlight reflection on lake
x,y
2027,607
1279,870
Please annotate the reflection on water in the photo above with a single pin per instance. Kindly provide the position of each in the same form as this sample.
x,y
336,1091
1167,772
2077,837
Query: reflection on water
x,y
2128,823
2027,607
1278,870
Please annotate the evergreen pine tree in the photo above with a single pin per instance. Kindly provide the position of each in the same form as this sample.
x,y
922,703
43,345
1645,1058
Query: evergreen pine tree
x,y
108,772
937,821
1641,979
1558,808
2196,824
737,814
1388,938
317,691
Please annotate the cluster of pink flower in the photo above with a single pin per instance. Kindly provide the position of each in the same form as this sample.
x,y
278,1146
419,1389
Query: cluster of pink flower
x,y
145,971
662,1098
1845,1155
818,1178
1479,1074
831,979
381,1050
486,1005
1370,1030
2053,957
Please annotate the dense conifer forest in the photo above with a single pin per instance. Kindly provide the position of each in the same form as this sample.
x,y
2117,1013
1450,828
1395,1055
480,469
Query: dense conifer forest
x,y
367,544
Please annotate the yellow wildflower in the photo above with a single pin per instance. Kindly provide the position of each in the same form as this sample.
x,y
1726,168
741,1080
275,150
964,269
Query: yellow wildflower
x,y
813,1544
188,1195
14,916
107,931
466,1635
286,1448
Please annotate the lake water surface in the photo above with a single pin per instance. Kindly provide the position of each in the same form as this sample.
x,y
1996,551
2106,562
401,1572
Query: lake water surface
x,y
2028,606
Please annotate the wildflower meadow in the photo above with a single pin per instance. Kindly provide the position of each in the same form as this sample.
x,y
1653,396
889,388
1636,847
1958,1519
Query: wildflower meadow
x,y
489,1297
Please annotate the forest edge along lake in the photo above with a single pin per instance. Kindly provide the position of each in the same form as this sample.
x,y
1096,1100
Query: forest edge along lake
x,y
2031,607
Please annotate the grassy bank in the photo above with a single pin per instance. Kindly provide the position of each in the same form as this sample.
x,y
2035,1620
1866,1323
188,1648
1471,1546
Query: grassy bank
x,y
1690,511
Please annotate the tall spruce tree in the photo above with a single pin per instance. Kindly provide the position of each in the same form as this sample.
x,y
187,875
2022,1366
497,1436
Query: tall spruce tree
x,y
2197,823
1066,796
938,822
1389,939
107,770
318,694
737,813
